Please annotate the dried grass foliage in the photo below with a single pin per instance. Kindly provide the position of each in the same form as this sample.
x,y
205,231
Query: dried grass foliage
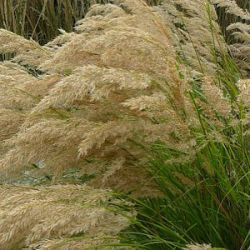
x,y
232,7
103,94
236,21
244,86
40,20
27,52
58,217
103,101
193,45
240,49
106,90
197,247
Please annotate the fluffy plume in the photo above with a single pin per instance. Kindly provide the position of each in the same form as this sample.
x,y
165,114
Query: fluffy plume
x,y
233,8
117,92
240,49
27,52
193,45
58,217
94,110
19,93
215,97
8,127
104,100
101,97
235,24
198,247
244,86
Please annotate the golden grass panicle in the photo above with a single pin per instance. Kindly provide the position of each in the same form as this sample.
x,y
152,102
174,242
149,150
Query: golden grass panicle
x,y
64,216
198,247
27,52
215,97
231,7
104,100
111,89
193,46
244,86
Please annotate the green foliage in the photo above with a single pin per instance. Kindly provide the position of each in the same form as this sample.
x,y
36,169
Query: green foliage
x,y
205,199
205,196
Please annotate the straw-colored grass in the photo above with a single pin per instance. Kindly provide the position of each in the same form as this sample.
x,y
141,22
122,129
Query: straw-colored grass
x,y
42,19
234,20
133,99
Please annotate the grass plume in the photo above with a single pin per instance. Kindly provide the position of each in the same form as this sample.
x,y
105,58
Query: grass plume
x,y
134,99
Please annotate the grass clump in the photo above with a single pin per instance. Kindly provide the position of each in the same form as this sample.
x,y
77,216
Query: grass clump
x,y
42,19
100,97
205,193
205,200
